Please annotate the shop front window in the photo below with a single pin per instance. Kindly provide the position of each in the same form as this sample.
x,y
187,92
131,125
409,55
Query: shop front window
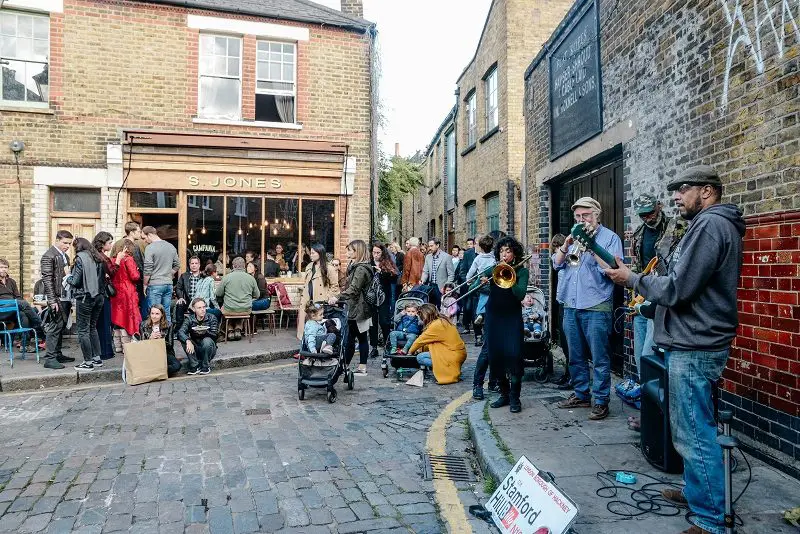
x,y
318,224
153,199
281,215
204,225
244,228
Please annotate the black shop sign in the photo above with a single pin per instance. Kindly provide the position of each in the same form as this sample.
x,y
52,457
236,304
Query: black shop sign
x,y
576,105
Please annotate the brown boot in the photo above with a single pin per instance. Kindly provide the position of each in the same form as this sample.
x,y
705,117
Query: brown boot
x,y
574,402
694,529
675,496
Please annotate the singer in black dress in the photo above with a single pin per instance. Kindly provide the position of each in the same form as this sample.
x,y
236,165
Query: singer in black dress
x,y
503,327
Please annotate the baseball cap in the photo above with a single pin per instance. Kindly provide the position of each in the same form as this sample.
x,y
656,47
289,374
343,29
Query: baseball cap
x,y
697,175
644,204
586,202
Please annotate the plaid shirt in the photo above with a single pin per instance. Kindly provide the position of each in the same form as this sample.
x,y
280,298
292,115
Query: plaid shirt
x,y
192,289
434,266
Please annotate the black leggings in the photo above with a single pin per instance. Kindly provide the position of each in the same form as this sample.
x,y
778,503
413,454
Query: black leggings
x,y
382,322
350,346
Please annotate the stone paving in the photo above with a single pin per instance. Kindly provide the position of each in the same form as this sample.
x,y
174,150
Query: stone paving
x,y
185,456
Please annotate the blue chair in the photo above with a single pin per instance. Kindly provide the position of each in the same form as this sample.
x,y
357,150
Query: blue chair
x,y
8,306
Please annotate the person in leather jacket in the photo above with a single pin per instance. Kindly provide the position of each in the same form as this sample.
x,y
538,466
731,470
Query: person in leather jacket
x,y
199,343
53,266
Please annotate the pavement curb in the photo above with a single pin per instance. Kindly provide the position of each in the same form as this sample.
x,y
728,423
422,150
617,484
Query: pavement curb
x,y
490,457
105,376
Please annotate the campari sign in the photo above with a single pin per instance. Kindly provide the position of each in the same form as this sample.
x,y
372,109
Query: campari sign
x,y
527,502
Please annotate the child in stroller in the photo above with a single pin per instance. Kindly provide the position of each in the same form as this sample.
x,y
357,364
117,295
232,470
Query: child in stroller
x,y
406,331
531,318
449,306
319,333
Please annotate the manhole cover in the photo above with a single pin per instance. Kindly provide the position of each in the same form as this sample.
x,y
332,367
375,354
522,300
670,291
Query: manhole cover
x,y
448,467
257,411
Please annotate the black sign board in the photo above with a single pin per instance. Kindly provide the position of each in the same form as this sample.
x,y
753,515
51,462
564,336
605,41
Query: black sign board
x,y
576,105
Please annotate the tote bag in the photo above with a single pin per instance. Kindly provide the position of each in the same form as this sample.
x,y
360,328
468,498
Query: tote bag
x,y
145,361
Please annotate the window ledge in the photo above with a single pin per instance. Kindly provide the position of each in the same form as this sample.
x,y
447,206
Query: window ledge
x,y
489,134
469,149
255,124
26,109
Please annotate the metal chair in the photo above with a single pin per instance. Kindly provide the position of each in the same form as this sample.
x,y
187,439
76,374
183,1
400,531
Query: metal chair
x,y
289,310
8,306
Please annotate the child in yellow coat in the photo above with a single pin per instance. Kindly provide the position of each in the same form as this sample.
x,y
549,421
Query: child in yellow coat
x,y
439,347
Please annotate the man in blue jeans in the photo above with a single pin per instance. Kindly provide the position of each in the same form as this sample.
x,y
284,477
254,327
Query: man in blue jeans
x,y
587,296
695,322
160,266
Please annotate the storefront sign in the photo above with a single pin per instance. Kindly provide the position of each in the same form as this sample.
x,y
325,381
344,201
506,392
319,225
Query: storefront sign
x,y
234,182
210,249
576,110
527,503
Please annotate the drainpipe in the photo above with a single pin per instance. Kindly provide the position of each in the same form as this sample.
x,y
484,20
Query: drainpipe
x,y
17,147
372,33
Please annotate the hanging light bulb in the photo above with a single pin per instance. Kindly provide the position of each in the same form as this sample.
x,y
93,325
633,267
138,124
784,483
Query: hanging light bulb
x,y
191,232
274,231
312,231
312,223
276,220
333,215
240,231
203,231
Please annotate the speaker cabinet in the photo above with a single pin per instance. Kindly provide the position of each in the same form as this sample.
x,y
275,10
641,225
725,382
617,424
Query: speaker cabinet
x,y
656,437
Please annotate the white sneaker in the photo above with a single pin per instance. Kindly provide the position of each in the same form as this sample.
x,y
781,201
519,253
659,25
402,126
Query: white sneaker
x,y
361,372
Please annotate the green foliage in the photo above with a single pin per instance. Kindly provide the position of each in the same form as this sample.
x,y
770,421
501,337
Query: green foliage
x,y
398,178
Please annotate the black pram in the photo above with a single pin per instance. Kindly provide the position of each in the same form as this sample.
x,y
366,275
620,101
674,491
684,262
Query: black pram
x,y
322,370
404,363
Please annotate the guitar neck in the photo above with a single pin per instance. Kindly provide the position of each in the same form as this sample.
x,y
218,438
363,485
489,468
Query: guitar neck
x,y
605,255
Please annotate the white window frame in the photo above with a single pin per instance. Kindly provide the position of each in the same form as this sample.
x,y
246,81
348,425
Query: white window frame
x,y
27,103
472,123
490,91
471,218
200,75
492,217
293,92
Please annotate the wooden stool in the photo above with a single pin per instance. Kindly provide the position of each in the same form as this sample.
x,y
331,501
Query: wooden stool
x,y
227,317
268,316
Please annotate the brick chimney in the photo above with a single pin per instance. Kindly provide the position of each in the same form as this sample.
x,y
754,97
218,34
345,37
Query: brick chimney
x,y
353,7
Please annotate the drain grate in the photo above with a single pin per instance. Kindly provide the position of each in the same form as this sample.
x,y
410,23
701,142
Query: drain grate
x,y
447,467
257,411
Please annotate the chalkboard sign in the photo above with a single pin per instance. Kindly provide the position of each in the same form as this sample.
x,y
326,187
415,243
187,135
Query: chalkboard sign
x,y
575,83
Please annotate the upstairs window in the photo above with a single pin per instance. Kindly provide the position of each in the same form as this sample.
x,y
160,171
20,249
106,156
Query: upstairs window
x,y
450,173
469,217
492,212
24,49
490,90
275,82
220,90
472,125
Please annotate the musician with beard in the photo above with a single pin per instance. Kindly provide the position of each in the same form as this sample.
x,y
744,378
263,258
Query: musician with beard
x,y
658,235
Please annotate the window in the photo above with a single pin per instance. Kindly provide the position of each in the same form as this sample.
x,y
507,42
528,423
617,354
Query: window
x,y
431,229
490,90
493,212
205,229
438,162
275,82
153,199
76,200
220,92
24,51
450,162
471,122
469,217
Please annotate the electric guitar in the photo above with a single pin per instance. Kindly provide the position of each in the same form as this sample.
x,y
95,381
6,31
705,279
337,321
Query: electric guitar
x,y
655,266
584,234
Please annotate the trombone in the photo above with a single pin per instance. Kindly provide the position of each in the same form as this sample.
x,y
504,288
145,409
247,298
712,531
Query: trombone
x,y
503,276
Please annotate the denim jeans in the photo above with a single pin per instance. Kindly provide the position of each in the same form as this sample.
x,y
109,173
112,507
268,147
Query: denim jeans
x,y
161,294
642,340
692,375
396,337
424,358
261,304
588,333
483,298
88,312
204,351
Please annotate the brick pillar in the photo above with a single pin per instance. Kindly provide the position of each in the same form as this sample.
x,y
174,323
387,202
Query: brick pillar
x,y
353,7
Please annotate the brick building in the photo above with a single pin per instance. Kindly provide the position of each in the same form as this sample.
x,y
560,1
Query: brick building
x,y
488,130
229,125
668,85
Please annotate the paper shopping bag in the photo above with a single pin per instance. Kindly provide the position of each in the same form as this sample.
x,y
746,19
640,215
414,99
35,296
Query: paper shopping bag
x,y
145,361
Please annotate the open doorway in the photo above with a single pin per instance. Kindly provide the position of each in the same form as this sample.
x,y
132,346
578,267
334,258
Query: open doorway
x,y
166,224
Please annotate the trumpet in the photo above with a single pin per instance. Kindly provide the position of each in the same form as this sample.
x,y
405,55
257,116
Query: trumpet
x,y
574,257
503,276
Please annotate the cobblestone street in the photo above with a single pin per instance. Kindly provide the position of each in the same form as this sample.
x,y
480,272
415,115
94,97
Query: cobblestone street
x,y
232,452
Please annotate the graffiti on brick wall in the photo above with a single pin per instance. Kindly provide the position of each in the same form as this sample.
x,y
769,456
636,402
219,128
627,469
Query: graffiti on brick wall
x,y
774,24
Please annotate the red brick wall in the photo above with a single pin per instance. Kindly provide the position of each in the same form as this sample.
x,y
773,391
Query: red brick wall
x,y
764,365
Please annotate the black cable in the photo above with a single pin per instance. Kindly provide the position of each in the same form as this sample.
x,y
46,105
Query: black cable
x,y
21,228
124,180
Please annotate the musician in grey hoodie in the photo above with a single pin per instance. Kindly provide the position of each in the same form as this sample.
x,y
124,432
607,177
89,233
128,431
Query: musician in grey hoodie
x,y
695,323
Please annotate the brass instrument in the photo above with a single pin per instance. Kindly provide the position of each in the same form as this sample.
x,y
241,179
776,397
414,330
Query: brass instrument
x,y
574,257
503,276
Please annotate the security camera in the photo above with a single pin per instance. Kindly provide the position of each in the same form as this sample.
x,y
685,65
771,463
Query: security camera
x,y
16,146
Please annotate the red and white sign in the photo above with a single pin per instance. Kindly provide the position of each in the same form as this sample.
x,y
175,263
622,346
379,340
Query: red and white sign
x,y
526,503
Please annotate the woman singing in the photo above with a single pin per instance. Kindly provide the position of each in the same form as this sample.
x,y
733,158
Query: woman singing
x,y
503,327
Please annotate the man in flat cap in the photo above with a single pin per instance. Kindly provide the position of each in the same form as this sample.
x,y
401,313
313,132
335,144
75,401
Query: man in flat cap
x,y
695,323
657,236
586,295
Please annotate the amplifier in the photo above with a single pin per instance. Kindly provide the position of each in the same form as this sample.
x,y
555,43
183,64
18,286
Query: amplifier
x,y
656,437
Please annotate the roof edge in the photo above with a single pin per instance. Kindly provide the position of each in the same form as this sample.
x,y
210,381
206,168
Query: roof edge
x,y
478,46
447,120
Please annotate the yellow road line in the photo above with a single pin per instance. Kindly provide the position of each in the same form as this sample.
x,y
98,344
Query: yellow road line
x,y
80,387
446,493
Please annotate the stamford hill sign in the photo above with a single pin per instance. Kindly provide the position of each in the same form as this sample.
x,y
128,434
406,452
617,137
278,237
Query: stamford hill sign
x,y
234,182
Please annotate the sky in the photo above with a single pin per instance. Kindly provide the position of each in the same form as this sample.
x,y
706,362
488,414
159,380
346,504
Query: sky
x,y
424,46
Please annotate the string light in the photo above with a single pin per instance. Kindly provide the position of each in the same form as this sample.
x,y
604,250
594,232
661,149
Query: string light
x,y
312,223
274,231
203,211
203,231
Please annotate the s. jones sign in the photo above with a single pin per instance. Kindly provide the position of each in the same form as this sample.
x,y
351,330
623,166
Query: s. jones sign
x,y
575,83
236,182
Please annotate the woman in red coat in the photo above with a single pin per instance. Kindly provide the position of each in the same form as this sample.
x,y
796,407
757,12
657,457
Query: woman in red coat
x,y
125,315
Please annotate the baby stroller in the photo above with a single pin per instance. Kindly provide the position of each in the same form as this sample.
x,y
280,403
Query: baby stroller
x,y
321,370
403,363
536,348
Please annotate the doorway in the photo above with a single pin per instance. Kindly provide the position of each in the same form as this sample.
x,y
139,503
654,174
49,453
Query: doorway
x,y
166,224
602,181
78,227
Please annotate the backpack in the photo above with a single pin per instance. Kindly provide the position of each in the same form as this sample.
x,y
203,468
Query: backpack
x,y
375,296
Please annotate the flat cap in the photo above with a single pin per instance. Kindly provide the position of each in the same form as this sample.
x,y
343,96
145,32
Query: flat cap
x,y
586,202
698,175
